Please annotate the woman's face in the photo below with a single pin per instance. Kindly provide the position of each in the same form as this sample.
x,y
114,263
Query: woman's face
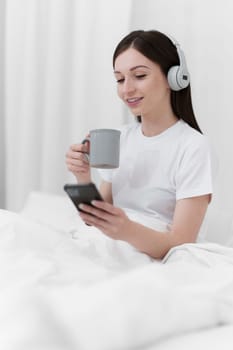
x,y
140,83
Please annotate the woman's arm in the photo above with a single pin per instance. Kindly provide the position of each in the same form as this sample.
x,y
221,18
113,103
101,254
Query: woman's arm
x,y
187,220
188,217
106,191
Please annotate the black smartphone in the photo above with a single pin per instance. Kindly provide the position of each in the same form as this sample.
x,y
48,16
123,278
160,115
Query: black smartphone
x,y
82,193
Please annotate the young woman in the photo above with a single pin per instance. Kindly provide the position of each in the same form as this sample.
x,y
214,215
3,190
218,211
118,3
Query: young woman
x,y
159,195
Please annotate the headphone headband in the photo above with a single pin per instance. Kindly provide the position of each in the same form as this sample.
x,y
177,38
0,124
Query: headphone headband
x,y
178,76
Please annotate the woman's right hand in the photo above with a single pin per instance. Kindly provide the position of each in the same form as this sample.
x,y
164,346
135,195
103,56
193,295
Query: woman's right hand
x,y
77,162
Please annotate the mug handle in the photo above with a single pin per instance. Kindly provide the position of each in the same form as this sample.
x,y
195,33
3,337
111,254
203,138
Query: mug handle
x,y
85,153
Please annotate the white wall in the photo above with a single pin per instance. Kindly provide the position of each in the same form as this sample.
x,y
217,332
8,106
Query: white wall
x,y
59,85
2,103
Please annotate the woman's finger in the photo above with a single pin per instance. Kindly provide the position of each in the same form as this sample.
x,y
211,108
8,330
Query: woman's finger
x,y
95,221
108,207
101,214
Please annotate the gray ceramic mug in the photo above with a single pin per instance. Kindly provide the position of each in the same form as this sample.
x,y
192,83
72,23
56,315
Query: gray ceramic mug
x,y
104,148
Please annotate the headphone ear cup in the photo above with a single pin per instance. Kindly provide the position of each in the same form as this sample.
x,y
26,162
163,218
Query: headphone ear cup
x,y
178,78
172,78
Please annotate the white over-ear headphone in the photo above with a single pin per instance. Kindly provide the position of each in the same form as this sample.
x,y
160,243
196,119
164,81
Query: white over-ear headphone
x,y
178,76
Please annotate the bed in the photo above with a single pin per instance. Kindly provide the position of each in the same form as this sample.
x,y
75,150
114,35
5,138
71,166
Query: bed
x,y
66,286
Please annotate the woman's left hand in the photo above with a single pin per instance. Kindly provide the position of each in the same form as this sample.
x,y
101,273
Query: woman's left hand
x,y
110,220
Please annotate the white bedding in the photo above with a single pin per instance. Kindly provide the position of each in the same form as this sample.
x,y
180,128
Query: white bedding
x,y
66,286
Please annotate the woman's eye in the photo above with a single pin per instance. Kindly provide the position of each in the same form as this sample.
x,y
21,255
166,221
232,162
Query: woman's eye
x,y
120,81
140,76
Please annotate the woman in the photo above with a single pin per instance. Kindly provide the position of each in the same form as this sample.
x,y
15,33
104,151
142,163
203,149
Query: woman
x,y
165,172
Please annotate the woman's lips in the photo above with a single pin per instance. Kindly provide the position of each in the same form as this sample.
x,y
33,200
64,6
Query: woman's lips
x,y
134,101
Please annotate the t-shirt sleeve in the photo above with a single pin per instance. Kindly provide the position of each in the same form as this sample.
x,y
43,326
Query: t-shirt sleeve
x,y
194,173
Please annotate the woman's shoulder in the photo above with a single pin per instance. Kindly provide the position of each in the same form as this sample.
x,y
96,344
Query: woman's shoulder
x,y
191,136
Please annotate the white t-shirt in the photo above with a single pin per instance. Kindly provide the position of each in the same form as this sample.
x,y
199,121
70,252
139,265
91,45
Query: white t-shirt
x,y
157,171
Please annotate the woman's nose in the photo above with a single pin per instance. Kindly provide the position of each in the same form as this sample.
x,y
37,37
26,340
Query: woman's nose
x,y
128,86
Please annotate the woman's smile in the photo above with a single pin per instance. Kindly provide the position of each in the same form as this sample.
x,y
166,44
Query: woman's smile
x,y
134,101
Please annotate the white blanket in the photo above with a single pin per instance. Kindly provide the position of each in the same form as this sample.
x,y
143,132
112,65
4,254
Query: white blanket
x,y
93,293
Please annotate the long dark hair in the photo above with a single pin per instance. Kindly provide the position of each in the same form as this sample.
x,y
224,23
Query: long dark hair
x,y
158,48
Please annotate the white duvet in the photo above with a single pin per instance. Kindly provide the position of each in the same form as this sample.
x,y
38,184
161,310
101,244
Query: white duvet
x,y
66,286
